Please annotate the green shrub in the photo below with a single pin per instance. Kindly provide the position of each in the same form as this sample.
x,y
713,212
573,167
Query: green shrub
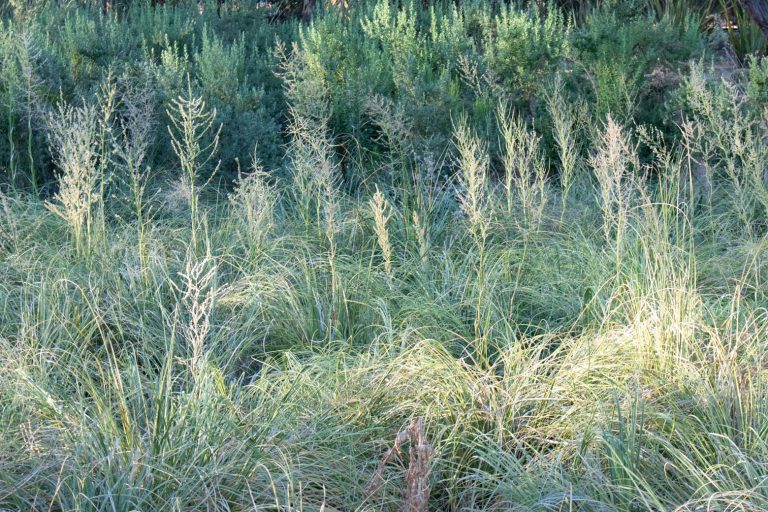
x,y
630,65
523,47
220,69
757,88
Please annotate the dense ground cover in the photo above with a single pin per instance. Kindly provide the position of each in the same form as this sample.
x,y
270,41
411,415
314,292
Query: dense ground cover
x,y
503,257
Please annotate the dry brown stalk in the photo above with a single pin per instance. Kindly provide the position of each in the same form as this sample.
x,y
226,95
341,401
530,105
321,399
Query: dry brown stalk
x,y
420,451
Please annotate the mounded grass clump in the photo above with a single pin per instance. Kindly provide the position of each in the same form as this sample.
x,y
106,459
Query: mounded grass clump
x,y
461,271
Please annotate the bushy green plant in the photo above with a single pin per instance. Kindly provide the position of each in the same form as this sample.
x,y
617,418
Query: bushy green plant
x,y
757,88
22,86
630,63
521,47
220,68
240,104
171,67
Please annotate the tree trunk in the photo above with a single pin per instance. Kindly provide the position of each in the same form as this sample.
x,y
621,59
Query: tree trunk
x,y
758,11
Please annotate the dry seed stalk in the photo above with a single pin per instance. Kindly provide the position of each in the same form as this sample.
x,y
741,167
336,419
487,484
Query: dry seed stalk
x,y
380,209
420,451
